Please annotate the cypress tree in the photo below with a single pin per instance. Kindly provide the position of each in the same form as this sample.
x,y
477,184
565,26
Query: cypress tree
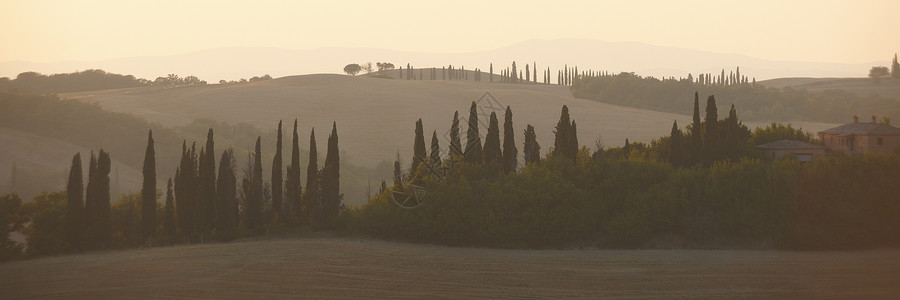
x,y
527,74
185,190
226,193
418,148
398,173
696,139
435,156
90,205
473,140
627,149
510,153
293,188
711,132
492,152
675,145
206,178
573,141
331,189
311,198
531,150
102,227
254,218
513,73
456,151
563,134
895,68
148,192
492,71
74,204
277,191
169,222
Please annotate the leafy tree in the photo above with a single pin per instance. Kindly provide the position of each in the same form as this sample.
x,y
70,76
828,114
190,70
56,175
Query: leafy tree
x,y
384,66
277,190
878,72
226,193
367,67
777,131
75,205
532,149
148,192
473,140
331,189
45,219
312,196
353,69
292,184
492,152
418,148
10,221
510,153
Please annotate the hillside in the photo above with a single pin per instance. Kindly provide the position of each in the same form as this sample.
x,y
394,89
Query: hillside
x,y
375,117
887,87
347,268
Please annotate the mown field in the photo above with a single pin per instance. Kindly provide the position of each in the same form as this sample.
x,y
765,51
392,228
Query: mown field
x,y
342,268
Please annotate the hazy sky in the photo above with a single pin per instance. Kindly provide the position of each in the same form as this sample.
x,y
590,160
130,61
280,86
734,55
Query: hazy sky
x,y
826,31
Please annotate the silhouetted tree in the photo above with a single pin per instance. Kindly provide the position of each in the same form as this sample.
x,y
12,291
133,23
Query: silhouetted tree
x,y
353,69
531,150
696,138
419,154
292,183
473,140
206,193
148,192
331,189
435,155
226,193
711,132
186,189
492,72
895,67
510,153
169,222
492,152
254,201
514,73
527,74
311,198
563,136
97,205
676,146
277,191
456,151
75,204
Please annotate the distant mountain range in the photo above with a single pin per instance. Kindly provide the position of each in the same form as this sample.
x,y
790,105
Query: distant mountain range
x,y
235,63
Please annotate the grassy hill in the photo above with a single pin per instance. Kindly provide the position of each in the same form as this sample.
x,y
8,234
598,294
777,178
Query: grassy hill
x,y
886,87
376,117
319,267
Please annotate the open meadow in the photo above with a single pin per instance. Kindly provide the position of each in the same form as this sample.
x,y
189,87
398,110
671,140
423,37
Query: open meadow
x,y
344,268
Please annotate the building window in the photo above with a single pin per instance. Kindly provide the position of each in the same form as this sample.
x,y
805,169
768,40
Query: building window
x,y
880,141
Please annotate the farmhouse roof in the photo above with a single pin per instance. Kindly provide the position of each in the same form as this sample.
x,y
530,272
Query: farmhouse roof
x,y
789,145
863,129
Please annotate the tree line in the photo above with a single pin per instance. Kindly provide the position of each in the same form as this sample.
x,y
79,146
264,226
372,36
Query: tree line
x,y
200,202
711,189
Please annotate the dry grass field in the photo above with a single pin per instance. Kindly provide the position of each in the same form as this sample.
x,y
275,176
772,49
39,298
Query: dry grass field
x,y
348,268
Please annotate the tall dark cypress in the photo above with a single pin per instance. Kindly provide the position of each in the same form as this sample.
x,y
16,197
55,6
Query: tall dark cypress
x,y
514,73
103,229
312,197
148,192
561,142
675,145
277,190
435,154
531,150
473,140
573,141
492,152
510,153
206,189
75,204
711,139
292,183
169,222
331,178
527,74
90,205
696,139
254,217
418,148
456,151
492,72
226,193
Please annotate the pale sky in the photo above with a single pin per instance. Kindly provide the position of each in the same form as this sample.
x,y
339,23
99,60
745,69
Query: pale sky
x,y
821,31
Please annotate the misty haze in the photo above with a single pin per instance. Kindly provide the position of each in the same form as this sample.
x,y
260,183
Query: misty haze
x,y
401,149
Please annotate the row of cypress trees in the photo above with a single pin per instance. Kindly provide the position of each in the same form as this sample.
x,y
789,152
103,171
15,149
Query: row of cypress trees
x,y
200,202
491,151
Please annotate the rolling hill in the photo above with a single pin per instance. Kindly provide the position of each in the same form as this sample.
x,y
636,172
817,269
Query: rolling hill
x,y
886,87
